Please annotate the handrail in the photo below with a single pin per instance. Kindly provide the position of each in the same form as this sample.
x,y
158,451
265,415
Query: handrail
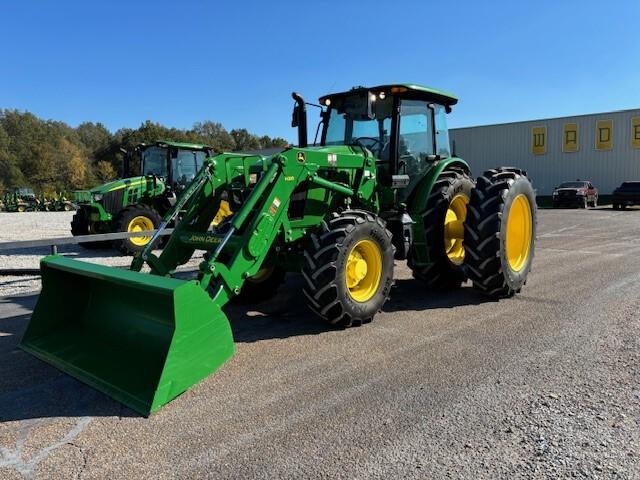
x,y
98,237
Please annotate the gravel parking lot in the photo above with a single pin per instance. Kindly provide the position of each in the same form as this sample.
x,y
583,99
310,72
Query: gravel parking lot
x,y
440,385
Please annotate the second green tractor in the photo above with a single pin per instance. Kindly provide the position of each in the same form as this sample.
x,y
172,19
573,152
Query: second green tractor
x,y
138,202
380,184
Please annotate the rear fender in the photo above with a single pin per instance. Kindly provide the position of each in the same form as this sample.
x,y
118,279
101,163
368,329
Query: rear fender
x,y
417,202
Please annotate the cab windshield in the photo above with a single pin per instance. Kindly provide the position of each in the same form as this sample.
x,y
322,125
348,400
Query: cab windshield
x,y
348,126
184,163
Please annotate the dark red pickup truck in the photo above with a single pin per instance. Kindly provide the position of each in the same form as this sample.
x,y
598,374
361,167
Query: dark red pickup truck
x,y
626,195
580,193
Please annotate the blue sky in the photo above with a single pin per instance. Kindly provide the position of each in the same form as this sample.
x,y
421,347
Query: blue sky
x,y
121,63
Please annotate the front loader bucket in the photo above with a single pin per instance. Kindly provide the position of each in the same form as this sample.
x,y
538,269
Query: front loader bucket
x,y
140,338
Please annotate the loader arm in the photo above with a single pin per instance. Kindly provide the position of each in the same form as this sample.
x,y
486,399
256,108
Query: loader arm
x,y
238,247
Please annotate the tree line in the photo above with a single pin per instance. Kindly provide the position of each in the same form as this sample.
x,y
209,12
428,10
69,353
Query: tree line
x,y
51,156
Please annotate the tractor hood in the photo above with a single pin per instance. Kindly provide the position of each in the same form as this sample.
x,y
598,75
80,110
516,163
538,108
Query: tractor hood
x,y
88,195
117,184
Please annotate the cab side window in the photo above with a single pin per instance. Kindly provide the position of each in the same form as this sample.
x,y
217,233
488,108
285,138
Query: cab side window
x,y
442,133
416,130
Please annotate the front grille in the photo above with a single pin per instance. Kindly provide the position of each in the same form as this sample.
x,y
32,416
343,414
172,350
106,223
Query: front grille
x,y
112,201
566,194
82,196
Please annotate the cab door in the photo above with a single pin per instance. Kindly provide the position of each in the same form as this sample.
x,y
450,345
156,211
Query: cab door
x,y
416,141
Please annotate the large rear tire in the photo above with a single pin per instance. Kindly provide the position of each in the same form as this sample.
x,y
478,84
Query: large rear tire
x,y
135,218
443,221
348,268
500,231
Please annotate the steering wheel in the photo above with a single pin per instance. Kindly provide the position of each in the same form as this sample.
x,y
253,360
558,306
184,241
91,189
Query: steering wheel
x,y
373,140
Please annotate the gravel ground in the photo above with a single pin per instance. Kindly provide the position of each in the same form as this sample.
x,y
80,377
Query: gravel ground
x,y
440,385
39,225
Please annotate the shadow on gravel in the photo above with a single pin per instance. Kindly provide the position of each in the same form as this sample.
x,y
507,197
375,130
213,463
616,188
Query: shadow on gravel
x,y
31,388
410,294
24,277
72,251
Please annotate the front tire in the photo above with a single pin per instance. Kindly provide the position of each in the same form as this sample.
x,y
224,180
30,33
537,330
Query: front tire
x,y
500,231
135,218
262,286
80,226
443,221
348,268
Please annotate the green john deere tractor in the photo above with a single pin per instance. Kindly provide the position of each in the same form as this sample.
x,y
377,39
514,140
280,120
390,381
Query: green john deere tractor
x,y
21,200
380,185
138,203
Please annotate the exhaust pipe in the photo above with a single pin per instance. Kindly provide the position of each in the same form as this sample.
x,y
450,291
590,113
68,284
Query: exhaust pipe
x,y
299,119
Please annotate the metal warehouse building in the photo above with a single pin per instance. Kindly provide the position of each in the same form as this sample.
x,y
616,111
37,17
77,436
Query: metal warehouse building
x,y
601,147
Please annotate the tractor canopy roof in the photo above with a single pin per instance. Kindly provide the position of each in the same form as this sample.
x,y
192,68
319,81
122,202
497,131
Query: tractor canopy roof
x,y
405,89
183,145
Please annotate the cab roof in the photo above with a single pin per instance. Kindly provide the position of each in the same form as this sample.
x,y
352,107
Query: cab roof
x,y
405,89
169,143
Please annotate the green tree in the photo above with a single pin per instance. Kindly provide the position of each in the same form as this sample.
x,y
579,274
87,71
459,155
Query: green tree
x,y
94,136
105,172
268,142
74,166
50,155
244,140
215,135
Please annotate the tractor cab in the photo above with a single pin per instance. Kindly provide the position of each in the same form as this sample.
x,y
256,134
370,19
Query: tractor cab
x,y
403,126
175,163
25,193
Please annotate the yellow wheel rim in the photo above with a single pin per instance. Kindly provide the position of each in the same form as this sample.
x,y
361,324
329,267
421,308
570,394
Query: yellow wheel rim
x,y
454,229
519,232
223,212
363,270
261,275
139,224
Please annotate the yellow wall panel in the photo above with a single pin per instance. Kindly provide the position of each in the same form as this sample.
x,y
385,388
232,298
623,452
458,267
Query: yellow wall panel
x,y
635,132
539,140
604,135
571,141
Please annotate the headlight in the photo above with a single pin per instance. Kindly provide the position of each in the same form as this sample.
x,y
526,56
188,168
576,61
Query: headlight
x,y
581,193
555,194
97,197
